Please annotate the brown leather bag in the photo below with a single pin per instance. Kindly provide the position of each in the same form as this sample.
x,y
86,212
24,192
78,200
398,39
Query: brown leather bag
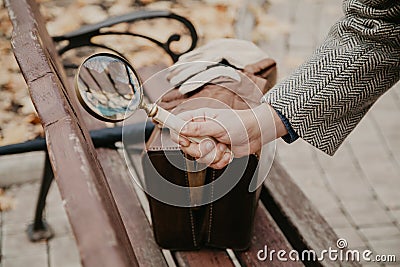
x,y
226,222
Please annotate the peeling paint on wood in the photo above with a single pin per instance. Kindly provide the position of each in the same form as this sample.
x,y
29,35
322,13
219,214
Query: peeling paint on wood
x,y
96,222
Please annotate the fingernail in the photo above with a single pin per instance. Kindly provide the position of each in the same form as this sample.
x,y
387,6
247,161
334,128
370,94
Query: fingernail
x,y
184,142
184,129
209,145
227,157
221,148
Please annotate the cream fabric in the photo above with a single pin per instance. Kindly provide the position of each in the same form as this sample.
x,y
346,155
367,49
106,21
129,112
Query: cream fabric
x,y
236,53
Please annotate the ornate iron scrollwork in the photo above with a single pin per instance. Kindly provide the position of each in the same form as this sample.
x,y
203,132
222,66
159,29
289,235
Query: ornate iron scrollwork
x,y
84,36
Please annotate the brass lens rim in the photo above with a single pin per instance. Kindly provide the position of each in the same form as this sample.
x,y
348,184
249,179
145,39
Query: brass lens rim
x,y
83,102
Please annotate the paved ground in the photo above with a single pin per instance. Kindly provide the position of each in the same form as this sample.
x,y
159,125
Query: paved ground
x,y
17,251
356,190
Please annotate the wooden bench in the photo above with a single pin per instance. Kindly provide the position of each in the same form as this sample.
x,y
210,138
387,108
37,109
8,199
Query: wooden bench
x,y
109,217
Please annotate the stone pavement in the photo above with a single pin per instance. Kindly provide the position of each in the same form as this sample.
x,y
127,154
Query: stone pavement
x,y
17,251
357,190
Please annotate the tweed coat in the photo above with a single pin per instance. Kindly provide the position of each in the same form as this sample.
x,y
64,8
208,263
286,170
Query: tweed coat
x,y
326,97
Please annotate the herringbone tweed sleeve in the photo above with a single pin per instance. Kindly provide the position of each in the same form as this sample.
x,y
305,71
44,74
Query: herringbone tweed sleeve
x,y
326,97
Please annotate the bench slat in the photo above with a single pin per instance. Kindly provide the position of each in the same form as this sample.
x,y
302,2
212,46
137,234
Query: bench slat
x,y
203,258
298,218
138,228
96,223
91,224
266,233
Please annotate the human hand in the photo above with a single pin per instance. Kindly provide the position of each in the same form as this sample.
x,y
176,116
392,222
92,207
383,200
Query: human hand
x,y
242,131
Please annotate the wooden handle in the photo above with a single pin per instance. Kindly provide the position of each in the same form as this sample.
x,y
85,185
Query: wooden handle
x,y
176,124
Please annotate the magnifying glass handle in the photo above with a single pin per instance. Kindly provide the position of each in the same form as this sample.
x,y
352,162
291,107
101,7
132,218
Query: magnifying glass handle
x,y
175,124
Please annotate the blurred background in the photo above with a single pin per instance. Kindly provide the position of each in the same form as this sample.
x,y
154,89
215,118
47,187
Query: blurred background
x,y
356,190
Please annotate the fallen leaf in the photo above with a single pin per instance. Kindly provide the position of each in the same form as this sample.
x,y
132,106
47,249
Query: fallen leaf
x,y
92,14
6,202
32,118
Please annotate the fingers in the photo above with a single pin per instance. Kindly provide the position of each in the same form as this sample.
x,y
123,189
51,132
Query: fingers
x,y
201,150
225,160
218,157
203,123
200,123
191,118
179,139
201,128
214,155
211,156
196,150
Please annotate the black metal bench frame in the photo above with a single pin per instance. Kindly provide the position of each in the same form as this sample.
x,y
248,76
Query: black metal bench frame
x,y
39,229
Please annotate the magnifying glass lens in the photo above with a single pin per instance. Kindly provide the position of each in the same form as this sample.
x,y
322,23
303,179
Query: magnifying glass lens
x,y
108,87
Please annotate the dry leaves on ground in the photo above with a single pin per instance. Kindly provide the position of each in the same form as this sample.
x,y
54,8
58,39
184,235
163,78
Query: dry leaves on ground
x,y
211,18
6,202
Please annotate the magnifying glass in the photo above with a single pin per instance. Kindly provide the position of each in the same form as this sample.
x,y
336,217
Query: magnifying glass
x,y
109,89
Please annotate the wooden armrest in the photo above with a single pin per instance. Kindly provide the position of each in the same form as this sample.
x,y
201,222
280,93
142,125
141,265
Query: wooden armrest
x,y
84,35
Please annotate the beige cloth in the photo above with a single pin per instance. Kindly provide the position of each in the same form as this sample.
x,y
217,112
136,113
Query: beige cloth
x,y
255,80
234,52
207,76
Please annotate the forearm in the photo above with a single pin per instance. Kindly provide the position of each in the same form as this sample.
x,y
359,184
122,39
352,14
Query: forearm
x,y
327,96
267,122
